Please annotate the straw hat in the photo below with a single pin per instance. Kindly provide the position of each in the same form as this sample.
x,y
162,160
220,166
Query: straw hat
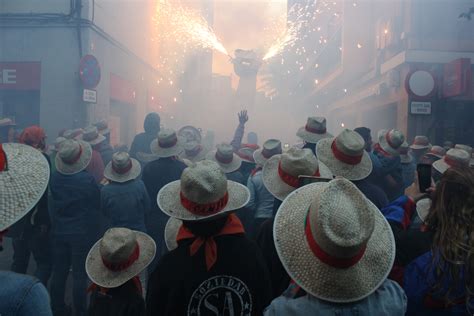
x,y
171,232
246,154
314,131
92,136
194,151
6,122
281,172
119,256
168,144
203,192
102,127
420,142
73,156
467,149
270,148
405,158
333,241
391,140
345,155
436,151
423,208
453,158
73,133
122,168
24,176
448,145
57,142
225,158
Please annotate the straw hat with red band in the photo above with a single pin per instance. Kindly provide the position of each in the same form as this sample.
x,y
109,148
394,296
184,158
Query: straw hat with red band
x,y
281,172
345,155
73,156
246,154
73,133
225,158
436,151
194,151
24,177
390,141
405,158
122,168
333,241
270,148
314,130
102,127
168,144
202,193
467,149
454,158
92,136
57,143
421,142
119,256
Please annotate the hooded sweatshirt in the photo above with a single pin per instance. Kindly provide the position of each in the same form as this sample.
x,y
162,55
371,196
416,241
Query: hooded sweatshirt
x,y
141,142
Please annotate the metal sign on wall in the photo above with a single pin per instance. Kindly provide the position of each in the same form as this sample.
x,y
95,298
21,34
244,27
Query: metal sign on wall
x,y
420,108
89,71
89,96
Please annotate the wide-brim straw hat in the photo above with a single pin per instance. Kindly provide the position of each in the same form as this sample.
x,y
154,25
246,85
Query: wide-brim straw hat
x,y
171,232
423,208
92,136
453,158
204,188
314,130
437,152
390,141
194,151
246,154
351,145
421,142
122,168
271,171
339,285
167,144
103,276
69,147
23,182
269,149
230,162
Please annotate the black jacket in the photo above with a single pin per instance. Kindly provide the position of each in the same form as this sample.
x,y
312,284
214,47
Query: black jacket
x,y
238,283
124,300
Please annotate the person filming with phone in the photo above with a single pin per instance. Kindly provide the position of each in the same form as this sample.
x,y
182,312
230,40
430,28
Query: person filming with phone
x,y
434,262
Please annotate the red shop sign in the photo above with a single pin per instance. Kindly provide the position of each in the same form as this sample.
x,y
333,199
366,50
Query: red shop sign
x,y
457,78
20,76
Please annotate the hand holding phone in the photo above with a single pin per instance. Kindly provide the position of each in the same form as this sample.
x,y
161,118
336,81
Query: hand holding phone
x,y
424,176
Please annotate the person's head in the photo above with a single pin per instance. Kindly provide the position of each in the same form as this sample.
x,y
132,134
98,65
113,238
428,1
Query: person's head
x,y
450,218
34,136
206,228
365,133
252,138
152,123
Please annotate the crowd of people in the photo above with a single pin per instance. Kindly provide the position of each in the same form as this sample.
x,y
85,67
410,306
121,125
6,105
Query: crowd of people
x,y
336,225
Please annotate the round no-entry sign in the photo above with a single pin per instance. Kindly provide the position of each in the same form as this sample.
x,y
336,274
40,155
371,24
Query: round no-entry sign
x,y
89,71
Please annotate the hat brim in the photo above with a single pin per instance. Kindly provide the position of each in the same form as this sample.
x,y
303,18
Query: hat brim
x,y
258,157
317,278
102,276
146,157
276,186
23,183
104,131
169,201
434,155
133,173
441,166
423,208
171,232
385,146
234,165
419,147
162,152
100,138
309,137
351,172
79,165
406,159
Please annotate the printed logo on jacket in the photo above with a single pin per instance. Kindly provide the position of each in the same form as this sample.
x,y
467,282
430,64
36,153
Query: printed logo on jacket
x,y
221,295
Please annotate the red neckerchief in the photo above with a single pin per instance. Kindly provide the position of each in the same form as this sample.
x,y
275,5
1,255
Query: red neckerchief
x,y
104,290
231,227
251,146
254,171
380,150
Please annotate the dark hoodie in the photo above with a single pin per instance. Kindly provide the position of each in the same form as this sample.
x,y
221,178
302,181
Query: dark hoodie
x,y
141,142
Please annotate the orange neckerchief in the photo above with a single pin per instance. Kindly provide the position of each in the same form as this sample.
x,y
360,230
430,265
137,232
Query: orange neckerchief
x,y
231,227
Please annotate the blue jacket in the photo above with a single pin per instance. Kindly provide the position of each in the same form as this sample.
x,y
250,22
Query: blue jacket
x,y
22,295
76,205
261,201
388,300
413,264
125,204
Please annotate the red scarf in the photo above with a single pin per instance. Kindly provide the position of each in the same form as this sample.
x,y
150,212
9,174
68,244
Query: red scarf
x,y
379,149
232,226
